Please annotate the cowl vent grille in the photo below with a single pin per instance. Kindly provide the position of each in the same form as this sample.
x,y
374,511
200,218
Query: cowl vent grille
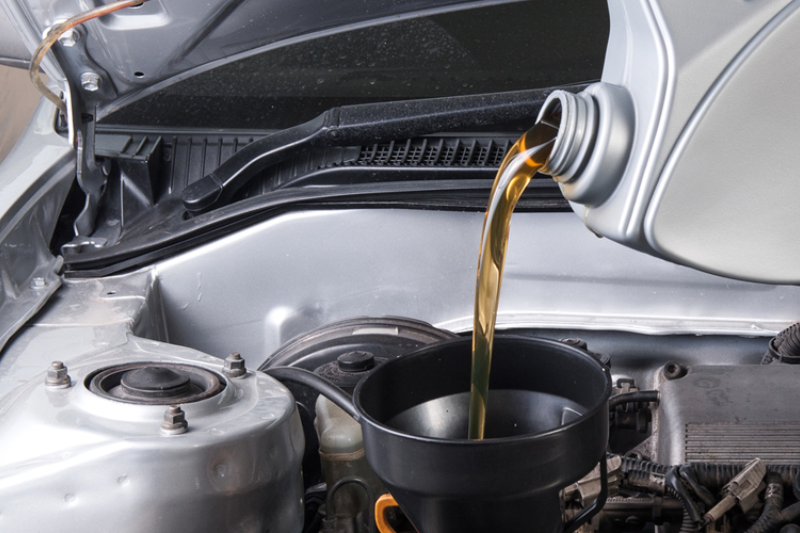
x,y
467,156
184,158
436,152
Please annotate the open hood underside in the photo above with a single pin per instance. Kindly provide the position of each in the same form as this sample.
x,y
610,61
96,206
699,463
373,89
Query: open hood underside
x,y
138,50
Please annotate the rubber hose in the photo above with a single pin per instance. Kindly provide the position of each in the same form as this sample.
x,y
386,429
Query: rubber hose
x,y
642,396
711,475
687,525
796,485
771,518
715,476
640,480
317,383
791,513
674,482
370,499
790,342
630,463
687,474
643,480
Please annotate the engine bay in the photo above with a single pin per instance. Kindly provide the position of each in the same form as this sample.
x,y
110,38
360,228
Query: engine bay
x,y
237,275
246,456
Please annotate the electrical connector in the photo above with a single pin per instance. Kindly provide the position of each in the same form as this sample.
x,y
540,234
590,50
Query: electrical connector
x,y
742,489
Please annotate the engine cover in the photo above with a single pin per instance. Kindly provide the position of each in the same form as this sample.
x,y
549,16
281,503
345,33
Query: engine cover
x,y
730,414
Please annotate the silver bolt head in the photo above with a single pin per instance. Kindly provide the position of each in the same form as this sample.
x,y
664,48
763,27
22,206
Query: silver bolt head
x,y
90,81
38,283
69,38
234,366
174,422
57,376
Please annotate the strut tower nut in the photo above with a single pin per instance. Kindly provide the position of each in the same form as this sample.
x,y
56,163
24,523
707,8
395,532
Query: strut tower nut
x,y
234,366
174,421
57,377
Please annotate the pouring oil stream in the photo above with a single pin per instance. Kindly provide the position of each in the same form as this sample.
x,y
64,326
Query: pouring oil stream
x,y
521,162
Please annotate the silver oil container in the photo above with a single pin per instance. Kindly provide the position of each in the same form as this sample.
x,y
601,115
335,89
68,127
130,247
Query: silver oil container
x,y
687,148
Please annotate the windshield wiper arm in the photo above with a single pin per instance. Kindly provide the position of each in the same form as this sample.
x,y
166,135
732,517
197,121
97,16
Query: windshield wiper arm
x,y
360,124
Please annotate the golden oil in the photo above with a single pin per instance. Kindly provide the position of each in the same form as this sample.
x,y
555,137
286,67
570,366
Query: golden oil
x,y
521,162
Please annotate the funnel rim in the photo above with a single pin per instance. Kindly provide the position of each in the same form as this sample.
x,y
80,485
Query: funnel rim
x,y
486,443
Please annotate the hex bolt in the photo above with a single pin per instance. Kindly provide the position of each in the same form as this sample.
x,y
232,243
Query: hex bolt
x,y
234,366
581,344
57,376
674,370
90,81
38,283
69,38
174,422
578,343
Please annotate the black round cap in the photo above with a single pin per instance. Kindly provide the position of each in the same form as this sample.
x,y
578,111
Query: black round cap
x,y
155,381
355,361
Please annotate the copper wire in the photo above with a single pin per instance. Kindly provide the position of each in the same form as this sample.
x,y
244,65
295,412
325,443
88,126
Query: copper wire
x,y
55,32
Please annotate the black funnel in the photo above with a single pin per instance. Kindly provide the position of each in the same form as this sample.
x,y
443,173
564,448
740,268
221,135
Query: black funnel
x,y
546,427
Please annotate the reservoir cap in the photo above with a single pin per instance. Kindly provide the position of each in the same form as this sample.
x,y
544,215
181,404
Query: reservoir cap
x,y
355,361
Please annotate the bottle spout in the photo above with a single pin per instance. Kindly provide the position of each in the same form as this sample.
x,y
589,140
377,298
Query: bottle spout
x,y
575,117
595,134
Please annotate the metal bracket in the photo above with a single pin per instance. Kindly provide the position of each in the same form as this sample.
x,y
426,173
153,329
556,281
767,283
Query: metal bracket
x,y
80,244
91,178
88,84
91,83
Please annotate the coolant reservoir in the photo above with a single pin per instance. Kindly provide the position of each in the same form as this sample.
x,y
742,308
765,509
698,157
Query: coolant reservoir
x,y
341,448
341,445
687,148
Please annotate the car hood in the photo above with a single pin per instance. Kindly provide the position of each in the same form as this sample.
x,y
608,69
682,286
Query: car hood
x,y
141,49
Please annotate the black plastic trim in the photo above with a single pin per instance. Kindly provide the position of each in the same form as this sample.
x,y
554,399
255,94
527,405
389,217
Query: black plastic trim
x,y
173,233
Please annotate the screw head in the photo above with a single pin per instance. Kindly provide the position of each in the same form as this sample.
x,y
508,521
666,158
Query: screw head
x,y
69,38
674,370
234,366
57,376
90,81
38,283
174,422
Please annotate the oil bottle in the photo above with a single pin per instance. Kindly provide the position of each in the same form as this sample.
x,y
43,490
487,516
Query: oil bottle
x,y
687,147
